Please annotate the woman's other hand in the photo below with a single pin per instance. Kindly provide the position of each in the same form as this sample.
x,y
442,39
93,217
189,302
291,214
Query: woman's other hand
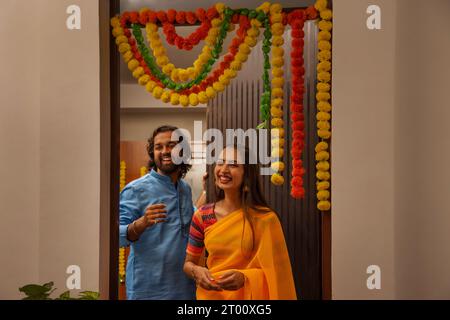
x,y
231,280
204,279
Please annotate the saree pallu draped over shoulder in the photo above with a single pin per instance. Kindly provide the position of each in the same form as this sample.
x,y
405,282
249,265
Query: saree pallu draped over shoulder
x,y
267,270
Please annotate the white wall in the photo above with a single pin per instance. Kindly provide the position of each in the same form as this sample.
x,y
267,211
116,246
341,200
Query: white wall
x,y
363,150
19,152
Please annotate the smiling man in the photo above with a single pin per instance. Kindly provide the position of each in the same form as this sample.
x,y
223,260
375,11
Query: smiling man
x,y
155,215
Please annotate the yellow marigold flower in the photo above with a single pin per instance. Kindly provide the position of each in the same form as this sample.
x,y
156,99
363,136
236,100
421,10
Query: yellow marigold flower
x,y
184,100
202,97
324,55
220,7
277,41
265,7
278,143
277,153
159,51
278,51
321,5
214,32
115,22
244,48
183,75
151,27
324,134
175,99
121,39
219,87
127,56
236,65
144,79
323,87
231,74
278,82
323,96
133,64
143,10
256,23
322,156
275,8
168,68
210,92
324,106
323,185
323,116
241,57
162,61
324,205
323,195
210,40
174,75
324,36
277,29
321,146
324,45
276,17
165,97
253,33
276,103
277,179
193,99
117,31
323,166
150,86
216,22
224,80
157,92
324,76
138,72
278,166
204,57
277,122
191,72
325,25
277,93
124,47
277,72
323,175
326,14
277,133
324,66
324,125
278,62
155,43
276,112
250,41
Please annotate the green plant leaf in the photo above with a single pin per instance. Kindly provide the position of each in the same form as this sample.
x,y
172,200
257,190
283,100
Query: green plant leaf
x,y
35,290
89,295
65,296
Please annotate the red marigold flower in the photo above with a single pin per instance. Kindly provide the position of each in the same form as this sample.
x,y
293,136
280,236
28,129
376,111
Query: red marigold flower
x,y
188,46
298,172
171,14
299,144
147,70
190,17
298,125
143,18
298,43
297,24
195,89
297,182
134,17
298,135
311,13
299,70
295,107
162,17
143,64
297,33
235,18
296,62
201,14
132,42
298,163
181,17
152,16
297,116
298,193
296,152
211,13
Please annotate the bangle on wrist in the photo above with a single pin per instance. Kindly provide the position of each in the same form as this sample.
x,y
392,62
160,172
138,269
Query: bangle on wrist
x,y
133,228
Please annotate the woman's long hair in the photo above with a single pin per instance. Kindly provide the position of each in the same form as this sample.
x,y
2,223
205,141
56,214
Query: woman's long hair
x,y
252,195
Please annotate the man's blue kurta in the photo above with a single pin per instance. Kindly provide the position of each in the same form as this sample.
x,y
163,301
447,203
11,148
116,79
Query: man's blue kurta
x,y
155,264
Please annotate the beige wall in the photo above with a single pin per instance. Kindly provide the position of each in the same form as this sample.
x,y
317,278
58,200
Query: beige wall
x,y
19,152
50,129
363,149
422,175
70,144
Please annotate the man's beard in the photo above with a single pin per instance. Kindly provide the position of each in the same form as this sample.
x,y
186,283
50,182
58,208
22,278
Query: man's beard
x,y
167,169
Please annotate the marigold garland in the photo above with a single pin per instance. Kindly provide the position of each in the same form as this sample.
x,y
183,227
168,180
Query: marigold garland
x,y
323,98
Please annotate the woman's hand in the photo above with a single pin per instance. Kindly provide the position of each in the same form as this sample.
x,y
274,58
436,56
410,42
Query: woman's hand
x,y
231,280
203,278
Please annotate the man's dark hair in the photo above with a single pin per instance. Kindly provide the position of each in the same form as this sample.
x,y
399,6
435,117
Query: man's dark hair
x,y
184,167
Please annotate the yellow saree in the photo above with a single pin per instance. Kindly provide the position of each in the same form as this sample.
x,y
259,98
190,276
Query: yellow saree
x,y
268,271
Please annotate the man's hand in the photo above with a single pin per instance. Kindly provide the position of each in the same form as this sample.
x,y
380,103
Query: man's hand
x,y
231,280
154,214
203,278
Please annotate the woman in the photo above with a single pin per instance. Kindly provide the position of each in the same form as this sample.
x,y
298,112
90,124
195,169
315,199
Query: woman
x,y
247,254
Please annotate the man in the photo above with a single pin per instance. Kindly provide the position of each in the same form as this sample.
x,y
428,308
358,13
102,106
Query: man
x,y
155,216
